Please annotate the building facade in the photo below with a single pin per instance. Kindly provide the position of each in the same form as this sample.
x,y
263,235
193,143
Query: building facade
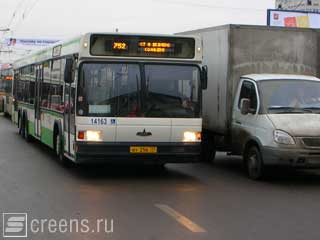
x,y
302,5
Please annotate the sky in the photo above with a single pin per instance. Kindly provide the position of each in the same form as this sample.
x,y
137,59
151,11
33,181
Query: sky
x,y
61,19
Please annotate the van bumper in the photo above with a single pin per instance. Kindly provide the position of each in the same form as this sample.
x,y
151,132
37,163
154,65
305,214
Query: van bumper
x,y
120,153
291,157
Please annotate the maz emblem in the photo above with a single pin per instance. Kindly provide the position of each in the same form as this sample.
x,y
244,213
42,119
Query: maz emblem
x,y
144,133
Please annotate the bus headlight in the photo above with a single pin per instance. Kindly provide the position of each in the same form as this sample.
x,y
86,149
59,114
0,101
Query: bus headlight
x,y
190,136
283,138
90,135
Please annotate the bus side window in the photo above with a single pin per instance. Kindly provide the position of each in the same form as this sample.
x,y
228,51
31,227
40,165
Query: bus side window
x,y
56,88
72,110
32,84
45,99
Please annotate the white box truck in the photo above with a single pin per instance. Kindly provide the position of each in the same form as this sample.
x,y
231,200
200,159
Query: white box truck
x,y
263,97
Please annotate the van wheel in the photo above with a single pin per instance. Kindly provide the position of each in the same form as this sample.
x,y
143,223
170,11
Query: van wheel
x,y
254,163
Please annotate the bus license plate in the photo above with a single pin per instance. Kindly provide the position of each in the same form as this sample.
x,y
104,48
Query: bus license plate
x,y
138,150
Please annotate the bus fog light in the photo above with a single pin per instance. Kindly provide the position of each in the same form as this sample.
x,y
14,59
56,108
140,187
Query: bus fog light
x,y
94,136
189,136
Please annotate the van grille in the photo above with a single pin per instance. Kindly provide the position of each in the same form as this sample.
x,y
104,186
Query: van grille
x,y
311,142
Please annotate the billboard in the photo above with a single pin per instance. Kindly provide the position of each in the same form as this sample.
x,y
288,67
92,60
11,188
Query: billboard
x,y
305,5
5,65
30,42
286,18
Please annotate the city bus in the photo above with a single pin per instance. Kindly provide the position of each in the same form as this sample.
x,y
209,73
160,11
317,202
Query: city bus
x,y
6,89
114,98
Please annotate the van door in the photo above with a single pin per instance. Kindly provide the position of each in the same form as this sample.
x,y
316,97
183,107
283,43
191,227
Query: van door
x,y
244,126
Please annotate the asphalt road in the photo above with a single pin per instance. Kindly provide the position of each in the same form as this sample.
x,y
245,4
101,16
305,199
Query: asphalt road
x,y
183,202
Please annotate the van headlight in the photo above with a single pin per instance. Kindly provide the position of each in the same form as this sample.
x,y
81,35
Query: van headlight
x,y
283,138
190,136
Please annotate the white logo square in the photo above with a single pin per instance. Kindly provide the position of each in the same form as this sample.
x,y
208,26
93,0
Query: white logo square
x,y
14,225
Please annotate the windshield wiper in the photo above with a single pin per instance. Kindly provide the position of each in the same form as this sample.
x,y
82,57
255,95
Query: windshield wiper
x,y
312,109
283,109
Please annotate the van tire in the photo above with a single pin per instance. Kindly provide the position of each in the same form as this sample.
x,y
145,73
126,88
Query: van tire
x,y
254,163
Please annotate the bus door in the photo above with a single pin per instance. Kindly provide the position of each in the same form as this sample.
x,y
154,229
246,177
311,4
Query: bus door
x,y
37,104
69,118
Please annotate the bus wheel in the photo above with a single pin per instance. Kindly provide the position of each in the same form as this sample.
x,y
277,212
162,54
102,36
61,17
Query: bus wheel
x,y
209,155
20,126
59,150
254,163
208,151
26,135
161,167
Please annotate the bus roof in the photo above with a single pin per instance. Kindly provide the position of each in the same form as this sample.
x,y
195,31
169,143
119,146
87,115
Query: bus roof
x,y
80,44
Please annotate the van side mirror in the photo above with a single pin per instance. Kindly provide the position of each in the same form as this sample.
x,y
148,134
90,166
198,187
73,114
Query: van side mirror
x,y
204,77
245,106
68,71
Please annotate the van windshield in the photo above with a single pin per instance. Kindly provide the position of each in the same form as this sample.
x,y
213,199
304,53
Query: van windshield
x,y
290,96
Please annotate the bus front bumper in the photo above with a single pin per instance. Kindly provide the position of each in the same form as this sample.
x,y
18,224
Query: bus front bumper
x,y
120,153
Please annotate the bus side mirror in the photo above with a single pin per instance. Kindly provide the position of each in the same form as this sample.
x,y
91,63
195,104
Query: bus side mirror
x,y
204,77
68,71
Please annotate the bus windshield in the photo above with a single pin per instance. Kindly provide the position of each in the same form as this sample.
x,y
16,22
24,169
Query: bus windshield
x,y
139,90
6,81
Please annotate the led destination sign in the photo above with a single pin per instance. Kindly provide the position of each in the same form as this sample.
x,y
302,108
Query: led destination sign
x,y
142,46
156,47
120,46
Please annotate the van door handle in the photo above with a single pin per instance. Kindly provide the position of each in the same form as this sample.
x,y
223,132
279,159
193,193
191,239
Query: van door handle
x,y
238,122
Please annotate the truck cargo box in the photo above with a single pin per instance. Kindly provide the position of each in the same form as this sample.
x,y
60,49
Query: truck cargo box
x,y
234,50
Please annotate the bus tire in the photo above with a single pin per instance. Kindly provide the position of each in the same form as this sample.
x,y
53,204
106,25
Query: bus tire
x,y
22,127
209,155
2,105
5,110
26,134
208,150
18,121
161,167
58,147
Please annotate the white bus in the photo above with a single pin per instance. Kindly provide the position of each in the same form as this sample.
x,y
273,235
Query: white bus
x,y
6,84
114,98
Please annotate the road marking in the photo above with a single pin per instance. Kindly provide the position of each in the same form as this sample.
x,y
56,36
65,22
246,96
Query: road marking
x,y
186,222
